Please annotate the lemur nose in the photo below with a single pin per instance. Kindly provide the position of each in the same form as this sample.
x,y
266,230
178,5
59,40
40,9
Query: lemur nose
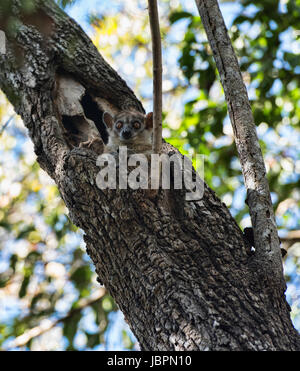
x,y
126,134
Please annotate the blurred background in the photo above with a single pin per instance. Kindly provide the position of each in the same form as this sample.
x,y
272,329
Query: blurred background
x,y
49,297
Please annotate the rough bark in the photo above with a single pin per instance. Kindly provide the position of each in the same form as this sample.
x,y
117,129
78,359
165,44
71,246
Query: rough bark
x,y
180,271
253,167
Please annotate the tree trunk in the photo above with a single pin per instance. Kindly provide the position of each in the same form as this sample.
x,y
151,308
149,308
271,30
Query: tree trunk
x,y
267,244
180,271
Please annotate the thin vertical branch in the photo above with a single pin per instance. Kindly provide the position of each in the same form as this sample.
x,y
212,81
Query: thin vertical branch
x,y
268,255
157,75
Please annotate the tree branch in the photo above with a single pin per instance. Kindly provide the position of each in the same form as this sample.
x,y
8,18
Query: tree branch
x,y
157,76
47,325
267,256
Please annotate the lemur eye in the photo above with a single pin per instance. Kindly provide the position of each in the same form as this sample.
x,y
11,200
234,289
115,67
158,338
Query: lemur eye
x,y
136,125
119,125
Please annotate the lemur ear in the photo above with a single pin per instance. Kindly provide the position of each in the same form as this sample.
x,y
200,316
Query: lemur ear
x,y
108,120
149,120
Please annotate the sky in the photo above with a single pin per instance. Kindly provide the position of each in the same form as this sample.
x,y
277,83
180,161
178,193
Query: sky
x,y
82,8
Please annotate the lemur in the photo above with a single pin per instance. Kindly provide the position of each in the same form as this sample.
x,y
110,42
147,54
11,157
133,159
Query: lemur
x,y
129,128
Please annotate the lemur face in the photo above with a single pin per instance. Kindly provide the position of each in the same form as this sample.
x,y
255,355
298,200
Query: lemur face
x,y
127,126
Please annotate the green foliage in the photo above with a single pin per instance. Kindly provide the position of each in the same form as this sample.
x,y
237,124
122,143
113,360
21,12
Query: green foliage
x,y
64,3
46,274
257,34
46,266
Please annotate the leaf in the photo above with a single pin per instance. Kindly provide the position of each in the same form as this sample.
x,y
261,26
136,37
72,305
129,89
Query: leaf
x,y
128,343
176,16
70,328
82,277
13,261
24,232
24,286
64,3
4,278
92,340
